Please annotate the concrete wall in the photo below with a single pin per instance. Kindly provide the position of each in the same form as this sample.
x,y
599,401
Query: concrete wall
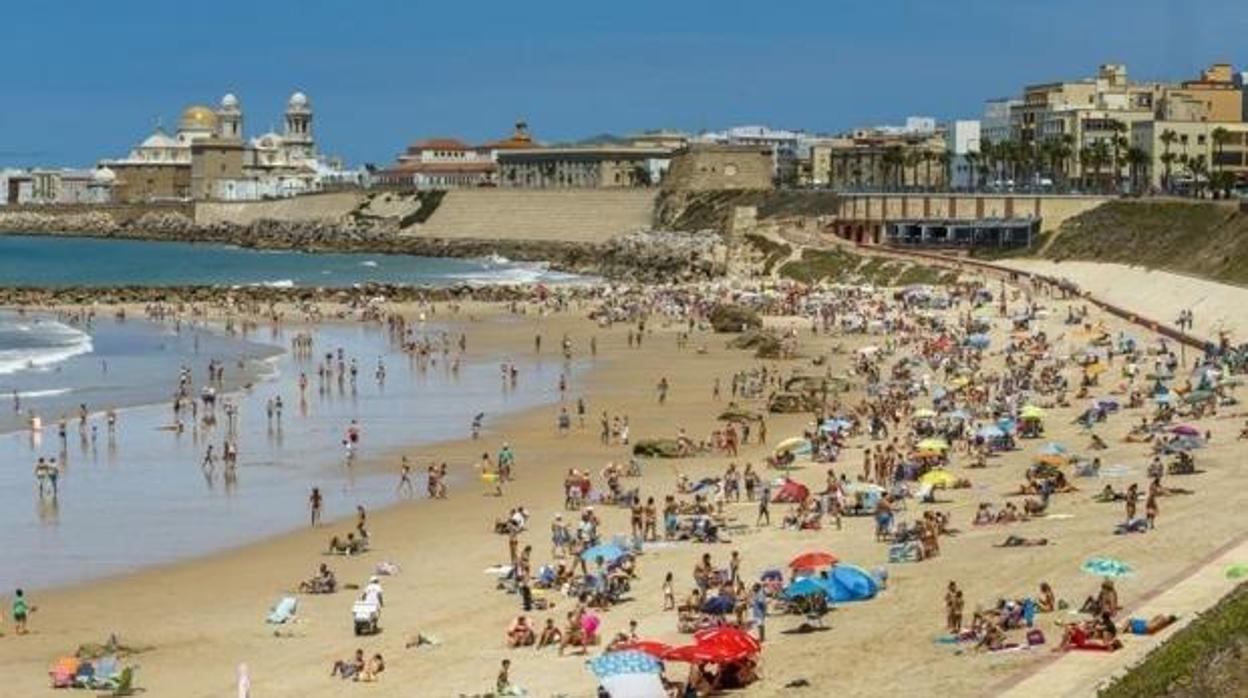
x,y
329,206
585,215
877,208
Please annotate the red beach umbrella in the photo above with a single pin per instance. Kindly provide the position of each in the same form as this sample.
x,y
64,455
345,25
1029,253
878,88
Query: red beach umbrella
x,y
813,561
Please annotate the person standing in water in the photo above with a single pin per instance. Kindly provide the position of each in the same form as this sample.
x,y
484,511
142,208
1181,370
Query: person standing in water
x,y
314,502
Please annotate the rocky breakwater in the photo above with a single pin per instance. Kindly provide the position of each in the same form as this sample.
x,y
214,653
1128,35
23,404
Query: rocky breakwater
x,y
648,256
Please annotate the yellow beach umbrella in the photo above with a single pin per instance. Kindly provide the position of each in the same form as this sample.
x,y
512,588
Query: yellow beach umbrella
x,y
932,444
938,478
924,413
1031,412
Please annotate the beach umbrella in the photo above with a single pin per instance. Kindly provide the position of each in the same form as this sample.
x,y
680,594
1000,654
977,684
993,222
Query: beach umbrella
x,y
1006,424
863,487
609,552
1106,567
1053,448
1185,430
796,444
959,414
938,478
924,413
803,587
791,492
1031,412
978,341
932,444
730,638
628,674
850,583
812,561
991,431
1164,398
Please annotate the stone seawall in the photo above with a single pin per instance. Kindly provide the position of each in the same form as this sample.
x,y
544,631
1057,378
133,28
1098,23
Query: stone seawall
x,y
642,255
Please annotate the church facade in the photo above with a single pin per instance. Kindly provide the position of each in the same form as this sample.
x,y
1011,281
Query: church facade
x,y
208,157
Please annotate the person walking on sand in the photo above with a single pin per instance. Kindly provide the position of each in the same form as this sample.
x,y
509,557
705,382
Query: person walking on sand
x,y
21,609
405,486
209,463
764,511
663,386
314,502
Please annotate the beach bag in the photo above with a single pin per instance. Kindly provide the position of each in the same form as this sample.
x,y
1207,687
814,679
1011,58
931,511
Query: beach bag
x,y
1139,626
1035,636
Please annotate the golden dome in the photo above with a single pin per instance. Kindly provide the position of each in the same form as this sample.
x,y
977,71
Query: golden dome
x,y
198,118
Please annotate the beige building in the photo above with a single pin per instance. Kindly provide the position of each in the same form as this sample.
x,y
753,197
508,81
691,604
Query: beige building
x,y
1213,97
1193,151
707,167
877,160
591,167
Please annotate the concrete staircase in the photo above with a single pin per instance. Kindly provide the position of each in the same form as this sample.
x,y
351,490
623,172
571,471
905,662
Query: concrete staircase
x,y
580,215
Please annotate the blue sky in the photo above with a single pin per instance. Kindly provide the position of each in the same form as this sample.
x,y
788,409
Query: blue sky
x,y
85,79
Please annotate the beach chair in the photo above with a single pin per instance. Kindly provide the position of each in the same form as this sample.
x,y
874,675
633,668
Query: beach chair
x,y
125,685
904,552
284,611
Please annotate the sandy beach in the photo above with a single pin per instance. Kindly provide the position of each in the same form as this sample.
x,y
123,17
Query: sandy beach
x,y
201,619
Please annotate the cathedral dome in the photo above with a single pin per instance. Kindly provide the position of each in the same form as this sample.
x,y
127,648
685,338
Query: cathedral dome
x,y
229,101
104,175
298,101
198,118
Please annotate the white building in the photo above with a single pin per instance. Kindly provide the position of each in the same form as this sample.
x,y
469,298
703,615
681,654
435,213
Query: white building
x,y
962,137
995,126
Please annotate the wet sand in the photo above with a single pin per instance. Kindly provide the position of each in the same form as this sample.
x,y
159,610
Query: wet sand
x,y
206,616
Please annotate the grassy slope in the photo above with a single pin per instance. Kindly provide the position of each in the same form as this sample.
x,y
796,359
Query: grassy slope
x,y
1208,658
1200,238
838,265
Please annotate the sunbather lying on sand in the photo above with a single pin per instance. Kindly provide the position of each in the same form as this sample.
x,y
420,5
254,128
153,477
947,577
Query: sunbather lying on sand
x,y
1020,542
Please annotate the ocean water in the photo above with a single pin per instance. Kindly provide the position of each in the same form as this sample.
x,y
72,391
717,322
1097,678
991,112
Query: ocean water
x,y
49,366
145,482
42,261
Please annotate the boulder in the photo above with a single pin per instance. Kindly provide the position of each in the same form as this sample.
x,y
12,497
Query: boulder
x,y
792,403
728,317
657,448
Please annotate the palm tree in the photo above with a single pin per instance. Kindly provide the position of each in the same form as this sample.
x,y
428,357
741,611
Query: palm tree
x,y
1137,160
1199,168
1168,137
1065,150
927,157
1220,137
892,160
946,167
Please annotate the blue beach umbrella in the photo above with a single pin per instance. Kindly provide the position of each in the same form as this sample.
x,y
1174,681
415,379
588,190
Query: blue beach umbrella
x,y
1053,448
805,586
991,432
978,341
848,582
609,552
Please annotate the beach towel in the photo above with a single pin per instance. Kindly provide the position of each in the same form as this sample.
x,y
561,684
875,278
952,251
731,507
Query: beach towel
x,y
387,568
63,672
283,611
